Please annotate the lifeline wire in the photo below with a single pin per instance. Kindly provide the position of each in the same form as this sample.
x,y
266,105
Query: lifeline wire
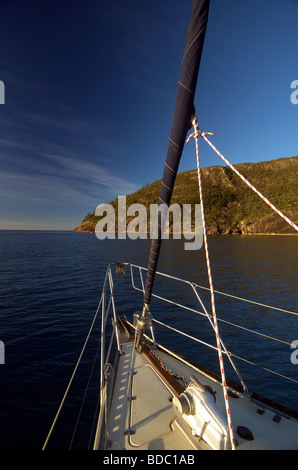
x,y
195,134
71,379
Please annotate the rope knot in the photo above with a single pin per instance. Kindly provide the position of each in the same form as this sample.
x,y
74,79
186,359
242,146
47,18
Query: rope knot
x,y
198,132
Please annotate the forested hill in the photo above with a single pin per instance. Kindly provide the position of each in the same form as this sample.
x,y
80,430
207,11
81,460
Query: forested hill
x,y
230,206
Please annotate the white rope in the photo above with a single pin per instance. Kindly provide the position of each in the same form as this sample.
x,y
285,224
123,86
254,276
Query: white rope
x,y
203,135
215,324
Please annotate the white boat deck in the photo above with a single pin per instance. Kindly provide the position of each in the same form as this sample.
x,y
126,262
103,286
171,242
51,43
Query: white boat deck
x,y
142,416
147,420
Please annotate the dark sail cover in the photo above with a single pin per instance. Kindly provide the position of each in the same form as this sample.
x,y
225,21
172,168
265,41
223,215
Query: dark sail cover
x,y
183,113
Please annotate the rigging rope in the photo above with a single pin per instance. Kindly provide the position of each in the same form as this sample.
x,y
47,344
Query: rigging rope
x,y
195,134
203,135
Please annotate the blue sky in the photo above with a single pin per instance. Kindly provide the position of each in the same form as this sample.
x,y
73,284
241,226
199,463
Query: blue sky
x,y
90,88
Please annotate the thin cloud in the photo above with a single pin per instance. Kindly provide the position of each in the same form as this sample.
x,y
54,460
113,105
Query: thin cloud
x,y
65,186
65,124
96,175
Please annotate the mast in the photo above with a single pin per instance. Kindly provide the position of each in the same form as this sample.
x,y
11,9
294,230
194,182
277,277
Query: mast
x,y
181,123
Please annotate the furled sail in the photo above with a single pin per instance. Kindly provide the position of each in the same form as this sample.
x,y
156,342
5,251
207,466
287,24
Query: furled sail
x,y
183,113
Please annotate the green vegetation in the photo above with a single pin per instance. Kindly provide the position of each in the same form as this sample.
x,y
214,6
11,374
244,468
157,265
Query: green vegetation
x,y
230,206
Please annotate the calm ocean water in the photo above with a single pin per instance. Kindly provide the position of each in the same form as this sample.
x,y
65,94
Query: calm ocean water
x,y
50,287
